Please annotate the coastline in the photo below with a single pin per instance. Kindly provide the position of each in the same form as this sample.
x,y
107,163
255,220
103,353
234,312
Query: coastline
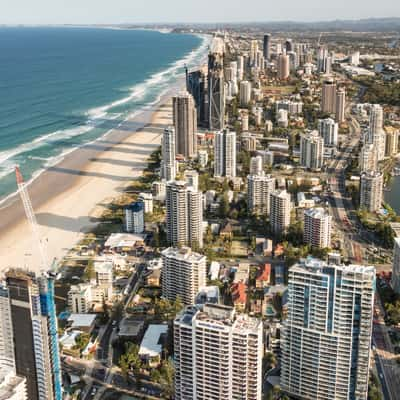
x,y
69,196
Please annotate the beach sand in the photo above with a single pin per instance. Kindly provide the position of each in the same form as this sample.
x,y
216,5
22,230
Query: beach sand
x,y
69,196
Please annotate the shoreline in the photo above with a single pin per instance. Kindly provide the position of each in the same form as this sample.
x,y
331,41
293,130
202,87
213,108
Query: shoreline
x,y
68,196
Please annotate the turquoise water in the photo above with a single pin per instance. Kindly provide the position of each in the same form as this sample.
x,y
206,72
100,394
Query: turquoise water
x,y
63,87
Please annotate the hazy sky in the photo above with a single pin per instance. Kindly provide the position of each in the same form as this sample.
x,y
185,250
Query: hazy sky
x,y
125,11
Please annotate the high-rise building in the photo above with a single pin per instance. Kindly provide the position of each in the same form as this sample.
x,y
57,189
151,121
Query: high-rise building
x,y
7,357
256,165
225,153
376,134
218,354
147,199
371,191
396,266
184,272
280,208
185,123
267,47
259,189
134,217
197,86
368,160
216,96
392,142
253,52
34,331
168,149
283,67
324,61
329,130
340,105
328,99
12,387
326,338
192,178
289,45
317,227
184,215
245,93
311,150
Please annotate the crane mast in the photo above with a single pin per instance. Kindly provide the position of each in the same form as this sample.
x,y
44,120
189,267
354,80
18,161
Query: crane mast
x,y
30,215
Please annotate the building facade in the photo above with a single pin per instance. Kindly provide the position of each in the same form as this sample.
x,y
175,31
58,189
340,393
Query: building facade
x,y
280,208
328,99
134,217
168,150
218,354
326,337
328,129
225,154
312,150
317,227
371,191
259,189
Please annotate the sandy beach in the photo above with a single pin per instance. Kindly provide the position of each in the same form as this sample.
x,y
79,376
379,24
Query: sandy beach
x,y
67,196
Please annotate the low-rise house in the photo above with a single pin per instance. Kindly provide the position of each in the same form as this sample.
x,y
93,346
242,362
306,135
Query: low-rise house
x,y
208,294
82,322
124,242
239,295
152,344
242,273
131,329
263,278
154,278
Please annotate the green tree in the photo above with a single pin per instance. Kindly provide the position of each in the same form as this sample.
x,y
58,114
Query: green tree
x,y
130,360
224,206
167,373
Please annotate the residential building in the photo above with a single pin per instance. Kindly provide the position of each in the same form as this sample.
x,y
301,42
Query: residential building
x,y
192,178
371,191
340,105
168,150
328,99
218,354
183,273
150,350
392,142
184,217
329,130
280,208
317,227
147,200
7,357
134,217
326,338
396,265
203,158
311,150
12,387
197,86
225,154
267,47
368,159
256,165
259,189
35,335
216,88
245,93
80,298
102,284
283,67
185,123
292,107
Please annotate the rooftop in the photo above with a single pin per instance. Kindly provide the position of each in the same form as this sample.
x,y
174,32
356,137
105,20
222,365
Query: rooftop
x,y
81,320
183,253
130,327
123,240
150,345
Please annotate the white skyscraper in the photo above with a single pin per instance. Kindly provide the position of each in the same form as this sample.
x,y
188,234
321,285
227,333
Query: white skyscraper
x,y
368,159
376,134
280,207
317,227
225,153
259,189
134,217
192,178
328,129
371,191
185,122
218,354
184,215
340,105
326,337
311,150
6,332
184,272
245,93
168,163
256,165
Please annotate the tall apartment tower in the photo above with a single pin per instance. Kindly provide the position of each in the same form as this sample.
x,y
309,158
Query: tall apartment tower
x,y
184,215
259,189
368,160
134,217
184,272
324,61
267,47
168,150
376,134
216,92
326,337
245,93
371,191
218,354
34,332
312,150
185,123
328,99
340,105
197,86
283,67
396,265
280,208
256,165
225,153
317,227
329,130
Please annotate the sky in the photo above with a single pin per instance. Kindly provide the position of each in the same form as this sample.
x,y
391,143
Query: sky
x,y
141,11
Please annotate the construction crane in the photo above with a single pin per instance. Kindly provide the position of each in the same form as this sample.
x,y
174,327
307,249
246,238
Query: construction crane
x,y
30,215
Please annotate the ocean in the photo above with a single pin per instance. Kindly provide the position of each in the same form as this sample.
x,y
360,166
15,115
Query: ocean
x,y
63,87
